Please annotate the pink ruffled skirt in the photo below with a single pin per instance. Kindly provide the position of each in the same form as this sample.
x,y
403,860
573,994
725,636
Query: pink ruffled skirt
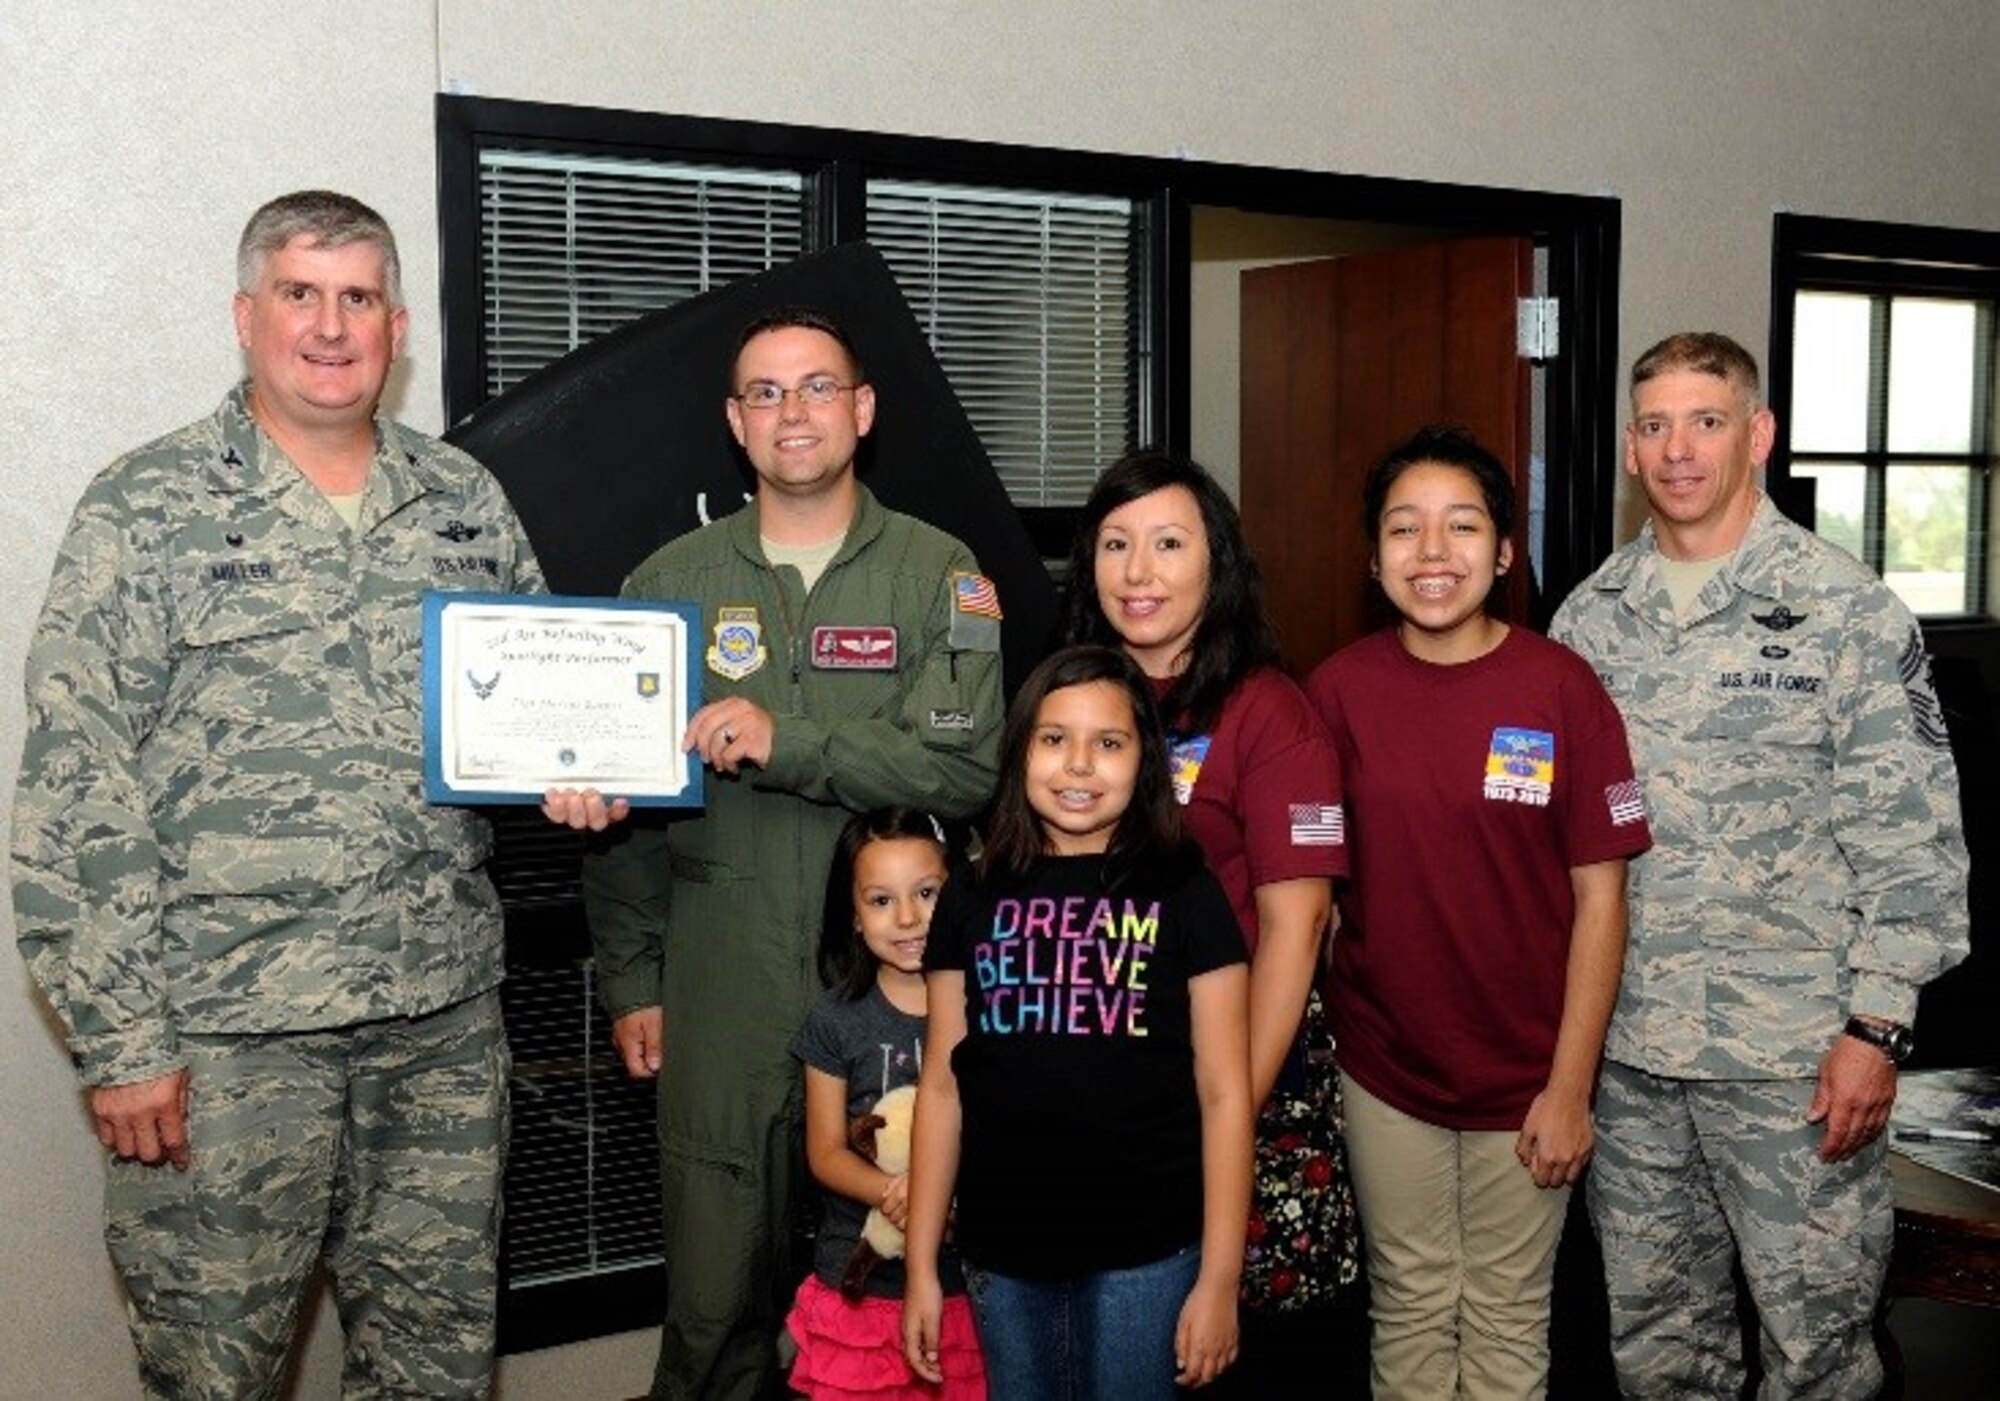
x,y
850,1351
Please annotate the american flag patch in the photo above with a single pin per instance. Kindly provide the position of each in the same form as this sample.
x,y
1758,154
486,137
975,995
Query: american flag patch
x,y
1626,802
1317,824
974,593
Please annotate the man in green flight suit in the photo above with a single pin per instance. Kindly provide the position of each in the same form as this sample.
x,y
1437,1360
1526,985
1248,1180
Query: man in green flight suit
x,y
853,661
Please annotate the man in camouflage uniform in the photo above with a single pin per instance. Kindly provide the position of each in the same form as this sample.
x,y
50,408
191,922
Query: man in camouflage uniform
x,y
1807,877
278,967
854,662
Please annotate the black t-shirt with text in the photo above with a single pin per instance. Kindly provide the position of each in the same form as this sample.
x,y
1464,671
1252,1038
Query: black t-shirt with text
x,y
1081,1144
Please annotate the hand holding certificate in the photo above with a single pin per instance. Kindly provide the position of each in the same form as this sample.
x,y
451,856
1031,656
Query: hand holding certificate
x,y
524,694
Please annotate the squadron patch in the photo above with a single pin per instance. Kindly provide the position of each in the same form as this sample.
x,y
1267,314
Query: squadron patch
x,y
1521,766
739,648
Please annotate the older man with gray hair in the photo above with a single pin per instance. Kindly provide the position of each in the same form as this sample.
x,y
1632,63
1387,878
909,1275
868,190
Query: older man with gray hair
x,y
277,966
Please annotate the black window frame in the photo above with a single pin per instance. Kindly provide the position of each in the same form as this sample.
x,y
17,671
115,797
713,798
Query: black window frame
x,y
1883,260
1581,234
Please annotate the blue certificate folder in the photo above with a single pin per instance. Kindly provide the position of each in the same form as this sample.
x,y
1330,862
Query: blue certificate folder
x,y
527,692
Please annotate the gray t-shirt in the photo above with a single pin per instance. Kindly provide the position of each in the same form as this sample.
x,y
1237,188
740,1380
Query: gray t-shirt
x,y
875,1048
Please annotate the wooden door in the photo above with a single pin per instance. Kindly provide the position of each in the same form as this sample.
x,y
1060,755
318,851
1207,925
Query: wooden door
x,y
1342,358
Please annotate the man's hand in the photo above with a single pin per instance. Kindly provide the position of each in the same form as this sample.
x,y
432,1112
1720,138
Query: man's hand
x,y
1857,1088
586,808
728,734
145,1121
640,1036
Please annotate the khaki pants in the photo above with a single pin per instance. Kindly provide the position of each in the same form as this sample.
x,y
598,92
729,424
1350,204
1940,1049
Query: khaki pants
x,y
1461,1256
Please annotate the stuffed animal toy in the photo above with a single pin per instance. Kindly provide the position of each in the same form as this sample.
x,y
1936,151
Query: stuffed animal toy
x,y
883,1138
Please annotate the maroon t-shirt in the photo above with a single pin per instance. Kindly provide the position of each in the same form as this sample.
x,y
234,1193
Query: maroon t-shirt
x,y
1261,792
1472,791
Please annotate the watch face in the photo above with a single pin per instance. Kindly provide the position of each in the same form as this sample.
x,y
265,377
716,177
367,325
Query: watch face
x,y
1899,1042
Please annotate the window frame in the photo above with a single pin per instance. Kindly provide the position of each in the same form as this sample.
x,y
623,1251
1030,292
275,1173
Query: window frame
x,y
1883,260
1581,233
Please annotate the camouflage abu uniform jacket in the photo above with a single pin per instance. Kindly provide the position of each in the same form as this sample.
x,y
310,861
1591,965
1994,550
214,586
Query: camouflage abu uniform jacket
x,y
220,825
1808,859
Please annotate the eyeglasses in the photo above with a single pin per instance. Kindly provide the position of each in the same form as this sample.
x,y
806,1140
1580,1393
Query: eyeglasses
x,y
816,392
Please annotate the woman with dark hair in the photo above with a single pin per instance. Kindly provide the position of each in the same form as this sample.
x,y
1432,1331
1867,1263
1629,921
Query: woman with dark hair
x,y
1491,810
1160,570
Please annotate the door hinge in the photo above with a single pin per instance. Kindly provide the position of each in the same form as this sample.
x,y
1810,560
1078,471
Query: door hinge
x,y
1537,328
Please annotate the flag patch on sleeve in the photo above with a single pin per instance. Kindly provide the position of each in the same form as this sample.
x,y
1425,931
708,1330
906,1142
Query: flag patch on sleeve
x,y
975,594
1627,803
1317,824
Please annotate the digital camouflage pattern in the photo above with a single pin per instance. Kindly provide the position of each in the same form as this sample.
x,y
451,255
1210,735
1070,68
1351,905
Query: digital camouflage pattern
x,y
220,827
1690,1173
414,1112
1809,860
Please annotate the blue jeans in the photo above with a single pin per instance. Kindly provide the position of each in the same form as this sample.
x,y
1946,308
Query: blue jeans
x,y
1107,1336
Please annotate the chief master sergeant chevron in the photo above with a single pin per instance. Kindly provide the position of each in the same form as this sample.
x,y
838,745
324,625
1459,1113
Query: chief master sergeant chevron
x,y
277,966
1807,877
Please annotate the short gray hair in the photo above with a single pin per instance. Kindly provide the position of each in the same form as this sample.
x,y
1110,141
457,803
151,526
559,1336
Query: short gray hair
x,y
329,220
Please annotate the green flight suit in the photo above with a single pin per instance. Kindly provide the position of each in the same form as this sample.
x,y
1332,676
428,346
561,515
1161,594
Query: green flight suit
x,y
716,916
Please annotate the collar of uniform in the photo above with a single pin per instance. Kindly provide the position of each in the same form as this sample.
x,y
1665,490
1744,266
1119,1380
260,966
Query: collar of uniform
x,y
1768,559
1759,565
251,462
869,518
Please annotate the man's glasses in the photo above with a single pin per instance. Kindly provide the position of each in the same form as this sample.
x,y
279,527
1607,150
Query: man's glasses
x,y
816,392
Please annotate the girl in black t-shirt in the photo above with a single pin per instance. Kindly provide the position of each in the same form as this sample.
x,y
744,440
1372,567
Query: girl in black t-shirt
x,y
1086,1067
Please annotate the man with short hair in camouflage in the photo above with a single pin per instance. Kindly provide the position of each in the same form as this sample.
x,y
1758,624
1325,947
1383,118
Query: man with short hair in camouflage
x,y
1807,876
277,966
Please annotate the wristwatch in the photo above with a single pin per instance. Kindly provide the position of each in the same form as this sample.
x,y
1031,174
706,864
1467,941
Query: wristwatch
x,y
1892,1039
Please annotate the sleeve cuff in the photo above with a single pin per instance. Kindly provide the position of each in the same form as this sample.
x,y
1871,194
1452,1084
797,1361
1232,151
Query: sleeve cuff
x,y
628,992
1891,999
795,743
104,1060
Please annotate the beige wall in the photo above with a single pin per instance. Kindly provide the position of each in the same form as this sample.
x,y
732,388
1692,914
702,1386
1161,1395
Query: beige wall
x,y
139,137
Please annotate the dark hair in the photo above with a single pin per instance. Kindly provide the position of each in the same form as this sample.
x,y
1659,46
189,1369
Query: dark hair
x,y
805,318
1235,635
845,964
1149,832
1705,353
1448,447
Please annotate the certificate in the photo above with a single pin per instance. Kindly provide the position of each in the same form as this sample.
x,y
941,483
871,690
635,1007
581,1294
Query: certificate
x,y
525,693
